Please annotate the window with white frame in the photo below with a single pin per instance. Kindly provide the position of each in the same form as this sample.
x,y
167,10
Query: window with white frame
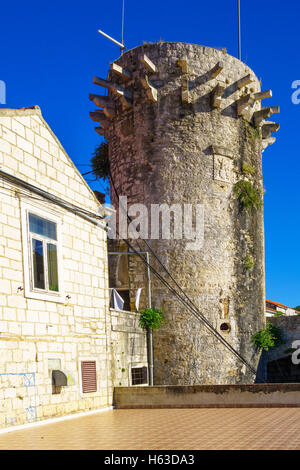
x,y
43,242
139,375
42,254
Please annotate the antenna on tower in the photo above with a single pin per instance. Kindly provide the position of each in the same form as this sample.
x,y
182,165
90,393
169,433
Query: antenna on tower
x,y
123,15
121,44
239,26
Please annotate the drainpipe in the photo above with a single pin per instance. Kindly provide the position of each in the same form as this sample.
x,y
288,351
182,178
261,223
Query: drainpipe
x,y
150,331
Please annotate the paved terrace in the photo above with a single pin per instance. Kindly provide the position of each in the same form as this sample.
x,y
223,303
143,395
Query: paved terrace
x,y
165,429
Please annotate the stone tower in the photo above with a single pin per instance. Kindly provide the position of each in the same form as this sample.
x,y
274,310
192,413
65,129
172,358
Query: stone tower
x,y
184,125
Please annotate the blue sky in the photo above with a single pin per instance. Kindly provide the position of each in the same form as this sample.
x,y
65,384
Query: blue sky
x,y
51,50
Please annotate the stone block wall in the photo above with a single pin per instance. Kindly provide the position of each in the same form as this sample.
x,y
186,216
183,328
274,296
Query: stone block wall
x,y
129,346
35,333
38,335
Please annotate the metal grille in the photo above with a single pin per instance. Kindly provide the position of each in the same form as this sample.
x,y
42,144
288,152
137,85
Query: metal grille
x,y
88,376
139,375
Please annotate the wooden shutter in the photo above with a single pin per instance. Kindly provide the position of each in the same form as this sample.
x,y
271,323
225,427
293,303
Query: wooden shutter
x,y
88,376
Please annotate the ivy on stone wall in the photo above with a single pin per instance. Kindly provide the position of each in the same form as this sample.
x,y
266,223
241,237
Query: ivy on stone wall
x,y
249,262
248,196
247,169
268,337
151,318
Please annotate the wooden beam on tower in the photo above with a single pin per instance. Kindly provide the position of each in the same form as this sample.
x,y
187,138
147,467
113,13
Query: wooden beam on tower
x,y
151,90
216,70
260,116
99,116
100,130
216,96
262,95
244,81
268,127
148,64
243,103
120,71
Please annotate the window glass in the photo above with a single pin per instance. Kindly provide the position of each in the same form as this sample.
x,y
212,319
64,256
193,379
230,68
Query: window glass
x,y
38,264
44,253
52,267
42,227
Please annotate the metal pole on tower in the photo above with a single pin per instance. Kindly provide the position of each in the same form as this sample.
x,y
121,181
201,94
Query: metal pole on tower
x,y
121,44
239,27
123,13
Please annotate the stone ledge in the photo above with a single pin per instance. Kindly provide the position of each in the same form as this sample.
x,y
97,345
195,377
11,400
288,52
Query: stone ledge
x,y
209,396
12,112
126,312
247,405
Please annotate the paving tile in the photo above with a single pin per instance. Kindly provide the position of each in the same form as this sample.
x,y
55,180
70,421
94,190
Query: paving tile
x,y
166,429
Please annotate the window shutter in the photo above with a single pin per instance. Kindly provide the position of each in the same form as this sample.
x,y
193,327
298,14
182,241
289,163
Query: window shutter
x,y
88,376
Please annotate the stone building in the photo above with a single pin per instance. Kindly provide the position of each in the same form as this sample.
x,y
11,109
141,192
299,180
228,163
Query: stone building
x,y
275,308
61,348
185,126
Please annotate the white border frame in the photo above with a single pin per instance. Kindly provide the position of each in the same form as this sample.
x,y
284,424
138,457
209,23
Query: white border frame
x,y
136,365
53,217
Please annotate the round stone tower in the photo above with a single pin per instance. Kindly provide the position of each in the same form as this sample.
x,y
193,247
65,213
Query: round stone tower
x,y
185,128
